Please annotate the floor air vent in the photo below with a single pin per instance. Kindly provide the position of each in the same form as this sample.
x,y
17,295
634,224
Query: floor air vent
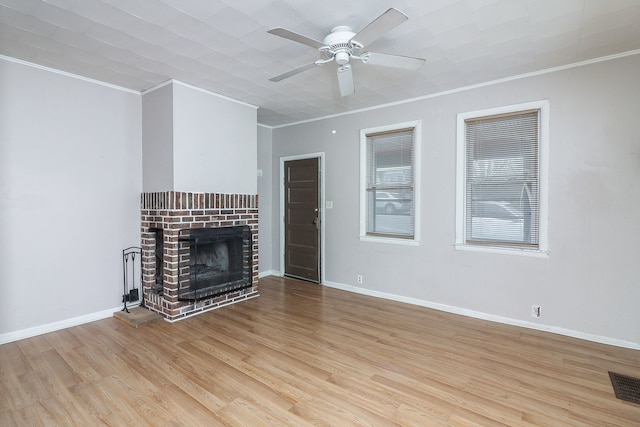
x,y
626,388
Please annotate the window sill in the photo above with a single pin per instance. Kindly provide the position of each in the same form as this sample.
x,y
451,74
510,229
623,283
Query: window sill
x,y
535,253
394,241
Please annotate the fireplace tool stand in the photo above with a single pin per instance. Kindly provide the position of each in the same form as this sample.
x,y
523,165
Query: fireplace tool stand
x,y
131,290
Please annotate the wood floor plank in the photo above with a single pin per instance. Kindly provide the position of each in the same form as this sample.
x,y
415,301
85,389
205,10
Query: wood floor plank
x,y
409,415
64,412
7,418
243,412
303,354
81,366
13,360
29,416
462,417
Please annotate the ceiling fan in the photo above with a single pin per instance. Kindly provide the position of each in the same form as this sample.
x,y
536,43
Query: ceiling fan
x,y
342,45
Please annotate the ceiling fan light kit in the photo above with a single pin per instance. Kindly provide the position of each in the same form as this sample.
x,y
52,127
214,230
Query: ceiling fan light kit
x,y
345,80
342,44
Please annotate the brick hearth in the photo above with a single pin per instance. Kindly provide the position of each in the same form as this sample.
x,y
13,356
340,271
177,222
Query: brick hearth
x,y
172,211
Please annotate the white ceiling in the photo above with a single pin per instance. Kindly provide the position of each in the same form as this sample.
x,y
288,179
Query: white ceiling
x,y
223,45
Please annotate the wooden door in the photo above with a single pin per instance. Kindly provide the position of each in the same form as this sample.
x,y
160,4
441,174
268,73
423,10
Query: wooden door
x,y
302,219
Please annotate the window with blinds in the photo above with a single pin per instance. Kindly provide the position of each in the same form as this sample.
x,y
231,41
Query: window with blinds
x,y
389,191
502,180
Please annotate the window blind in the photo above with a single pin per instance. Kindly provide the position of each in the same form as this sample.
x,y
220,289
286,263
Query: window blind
x,y
390,183
502,180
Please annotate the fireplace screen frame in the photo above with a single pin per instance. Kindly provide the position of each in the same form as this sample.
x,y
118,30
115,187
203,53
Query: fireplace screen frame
x,y
193,240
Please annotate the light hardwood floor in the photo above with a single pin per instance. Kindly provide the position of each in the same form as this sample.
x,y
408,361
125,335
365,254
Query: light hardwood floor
x,y
303,354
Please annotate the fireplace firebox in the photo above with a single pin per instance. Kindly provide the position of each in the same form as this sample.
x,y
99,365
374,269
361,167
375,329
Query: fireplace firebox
x,y
214,261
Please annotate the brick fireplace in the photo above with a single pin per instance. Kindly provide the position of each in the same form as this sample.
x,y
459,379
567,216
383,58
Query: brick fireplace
x,y
167,220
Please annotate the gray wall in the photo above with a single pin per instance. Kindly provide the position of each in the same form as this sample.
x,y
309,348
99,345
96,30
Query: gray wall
x,y
157,139
588,286
215,143
70,183
266,237
195,140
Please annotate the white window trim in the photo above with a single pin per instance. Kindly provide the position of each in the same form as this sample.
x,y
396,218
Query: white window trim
x,y
417,124
543,161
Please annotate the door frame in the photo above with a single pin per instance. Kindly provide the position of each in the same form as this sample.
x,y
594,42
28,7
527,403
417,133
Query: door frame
x,y
321,207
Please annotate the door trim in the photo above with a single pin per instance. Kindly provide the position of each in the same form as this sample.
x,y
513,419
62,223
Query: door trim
x,y
322,204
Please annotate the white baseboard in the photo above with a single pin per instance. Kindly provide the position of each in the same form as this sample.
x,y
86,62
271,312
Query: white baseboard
x,y
56,326
486,316
92,317
268,273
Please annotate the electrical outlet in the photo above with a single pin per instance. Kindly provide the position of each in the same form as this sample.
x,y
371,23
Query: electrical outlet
x,y
535,311
359,278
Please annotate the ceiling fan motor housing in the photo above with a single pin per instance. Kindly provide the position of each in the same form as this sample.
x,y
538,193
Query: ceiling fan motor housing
x,y
338,43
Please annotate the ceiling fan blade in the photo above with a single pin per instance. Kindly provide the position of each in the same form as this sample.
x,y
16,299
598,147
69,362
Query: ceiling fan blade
x,y
290,35
383,23
293,72
395,61
345,80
